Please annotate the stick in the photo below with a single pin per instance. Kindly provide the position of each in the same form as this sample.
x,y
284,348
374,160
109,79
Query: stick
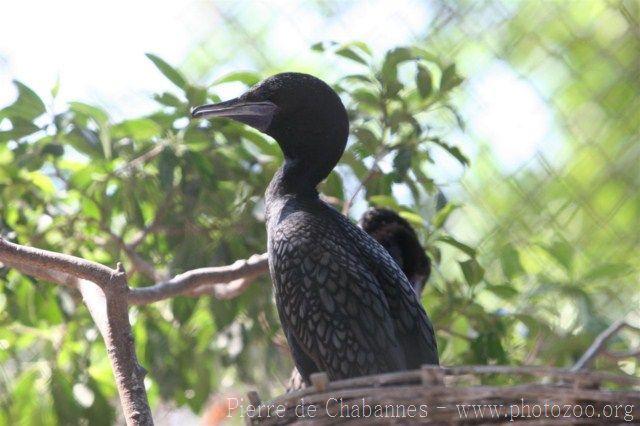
x,y
599,344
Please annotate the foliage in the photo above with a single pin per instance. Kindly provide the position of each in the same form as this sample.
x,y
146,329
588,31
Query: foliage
x,y
76,181
561,251
556,264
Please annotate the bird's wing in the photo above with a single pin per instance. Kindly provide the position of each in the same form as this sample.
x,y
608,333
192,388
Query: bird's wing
x,y
329,301
414,329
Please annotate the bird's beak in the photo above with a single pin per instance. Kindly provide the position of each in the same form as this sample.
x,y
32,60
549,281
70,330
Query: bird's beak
x,y
255,114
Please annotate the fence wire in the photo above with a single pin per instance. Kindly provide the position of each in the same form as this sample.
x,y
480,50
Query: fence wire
x,y
574,190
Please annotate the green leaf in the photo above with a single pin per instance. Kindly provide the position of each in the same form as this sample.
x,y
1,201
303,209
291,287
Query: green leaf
x,y
197,139
393,58
85,141
424,82
608,270
66,408
510,262
247,77
366,97
20,129
443,214
367,139
265,145
166,166
54,149
196,95
90,111
379,184
42,182
362,46
90,209
361,78
333,186
139,128
182,308
413,218
453,150
384,201
27,106
426,55
101,413
457,116
168,71
472,271
350,51
457,244
504,291
170,100
389,71
321,46
562,252
450,79
402,162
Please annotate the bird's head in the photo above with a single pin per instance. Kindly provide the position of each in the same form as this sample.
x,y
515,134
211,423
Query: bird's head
x,y
401,241
301,112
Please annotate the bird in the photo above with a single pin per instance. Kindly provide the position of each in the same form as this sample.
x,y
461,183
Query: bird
x,y
345,306
399,238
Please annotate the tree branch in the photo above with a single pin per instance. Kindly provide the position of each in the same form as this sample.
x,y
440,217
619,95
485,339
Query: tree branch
x,y
141,160
622,355
110,312
189,281
42,273
29,257
107,295
599,344
223,291
105,292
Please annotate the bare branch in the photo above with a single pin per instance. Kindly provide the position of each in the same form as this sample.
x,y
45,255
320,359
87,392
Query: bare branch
x,y
43,274
224,291
105,292
187,282
141,160
599,344
107,296
622,355
32,258
110,312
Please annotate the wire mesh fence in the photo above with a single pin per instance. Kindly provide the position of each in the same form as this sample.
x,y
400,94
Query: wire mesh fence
x,y
562,78
550,102
550,99
551,199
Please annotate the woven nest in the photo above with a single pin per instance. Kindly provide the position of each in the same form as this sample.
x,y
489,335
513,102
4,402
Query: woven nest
x,y
458,395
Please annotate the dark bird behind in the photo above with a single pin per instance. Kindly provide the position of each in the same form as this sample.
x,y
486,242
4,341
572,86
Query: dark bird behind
x,y
346,307
399,238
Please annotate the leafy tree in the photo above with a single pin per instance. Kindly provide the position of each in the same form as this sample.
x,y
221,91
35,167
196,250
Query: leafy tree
x,y
165,195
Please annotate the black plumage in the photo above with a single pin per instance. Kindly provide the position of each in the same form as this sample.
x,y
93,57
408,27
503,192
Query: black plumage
x,y
346,307
399,238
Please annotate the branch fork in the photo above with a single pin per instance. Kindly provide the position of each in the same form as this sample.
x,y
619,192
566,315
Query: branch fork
x,y
107,295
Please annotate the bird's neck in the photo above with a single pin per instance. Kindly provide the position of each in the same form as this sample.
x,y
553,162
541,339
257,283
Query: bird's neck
x,y
306,164
296,177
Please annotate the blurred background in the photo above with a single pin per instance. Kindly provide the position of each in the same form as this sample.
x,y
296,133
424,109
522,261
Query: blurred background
x,y
538,191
